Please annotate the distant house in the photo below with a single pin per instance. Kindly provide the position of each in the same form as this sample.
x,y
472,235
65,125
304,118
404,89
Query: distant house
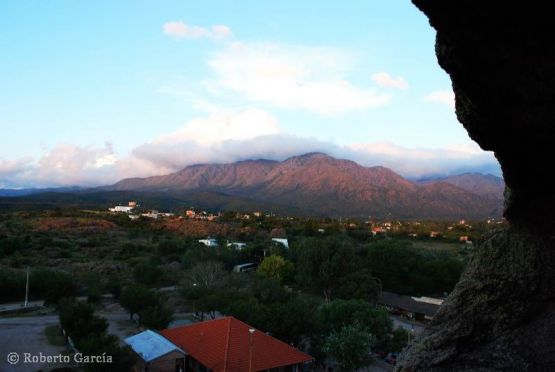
x,y
121,209
237,245
463,238
284,242
227,344
151,214
378,230
155,353
209,242
435,234
190,213
413,307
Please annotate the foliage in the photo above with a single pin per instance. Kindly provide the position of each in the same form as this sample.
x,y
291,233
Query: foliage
x,y
399,339
322,261
340,313
78,320
148,305
135,298
157,316
149,274
405,270
51,285
350,346
276,267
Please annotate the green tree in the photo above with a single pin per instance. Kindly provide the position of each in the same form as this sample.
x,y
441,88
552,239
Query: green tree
x,y
340,313
136,298
276,267
321,262
358,284
51,285
149,274
156,316
350,346
399,340
78,320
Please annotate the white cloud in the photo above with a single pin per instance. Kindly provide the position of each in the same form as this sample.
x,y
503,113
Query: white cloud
x,y
180,29
444,97
292,77
223,125
419,162
383,79
63,165
224,137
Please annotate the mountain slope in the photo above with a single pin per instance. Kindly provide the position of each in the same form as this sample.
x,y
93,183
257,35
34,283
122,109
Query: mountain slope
x,y
320,183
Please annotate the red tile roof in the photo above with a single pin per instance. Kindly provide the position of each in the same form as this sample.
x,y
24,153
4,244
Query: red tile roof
x,y
223,346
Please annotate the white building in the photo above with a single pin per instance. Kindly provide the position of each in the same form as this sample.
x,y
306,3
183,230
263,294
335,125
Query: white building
x,y
209,242
285,242
121,209
237,245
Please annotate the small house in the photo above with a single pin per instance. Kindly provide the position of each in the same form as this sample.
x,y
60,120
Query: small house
x,y
155,353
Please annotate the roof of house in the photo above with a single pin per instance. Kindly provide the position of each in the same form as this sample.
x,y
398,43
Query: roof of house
x,y
224,345
150,345
408,303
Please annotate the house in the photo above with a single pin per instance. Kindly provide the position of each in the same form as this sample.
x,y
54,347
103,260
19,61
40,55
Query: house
x,y
190,213
413,307
237,245
227,344
209,242
121,209
155,353
285,242
151,214
435,234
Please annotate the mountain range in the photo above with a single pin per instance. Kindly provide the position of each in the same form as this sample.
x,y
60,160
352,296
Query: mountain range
x,y
316,183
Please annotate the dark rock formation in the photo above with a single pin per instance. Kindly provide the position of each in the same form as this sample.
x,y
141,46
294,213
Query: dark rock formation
x,y
501,315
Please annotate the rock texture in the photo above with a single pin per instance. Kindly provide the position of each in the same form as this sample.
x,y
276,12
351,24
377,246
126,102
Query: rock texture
x,y
501,315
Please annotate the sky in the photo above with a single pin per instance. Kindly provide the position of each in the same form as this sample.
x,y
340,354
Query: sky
x,y
95,91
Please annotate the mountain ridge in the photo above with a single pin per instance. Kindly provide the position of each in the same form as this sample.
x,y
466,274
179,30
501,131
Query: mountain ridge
x,y
330,186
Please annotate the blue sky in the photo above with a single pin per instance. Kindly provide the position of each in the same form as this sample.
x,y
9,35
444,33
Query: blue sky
x,y
93,91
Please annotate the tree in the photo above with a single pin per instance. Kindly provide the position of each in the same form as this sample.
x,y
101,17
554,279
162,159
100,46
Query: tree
x,y
206,274
293,320
359,284
134,299
340,313
350,346
51,285
276,267
321,262
156,316
122,357
78,320
149,275
399,339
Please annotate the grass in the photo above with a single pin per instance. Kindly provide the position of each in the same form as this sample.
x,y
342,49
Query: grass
x,y
54,335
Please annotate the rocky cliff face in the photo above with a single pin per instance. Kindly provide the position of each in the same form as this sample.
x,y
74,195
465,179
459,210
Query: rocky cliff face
x,y
501,315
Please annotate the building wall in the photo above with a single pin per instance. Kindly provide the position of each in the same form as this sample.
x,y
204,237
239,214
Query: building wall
x,y
165,363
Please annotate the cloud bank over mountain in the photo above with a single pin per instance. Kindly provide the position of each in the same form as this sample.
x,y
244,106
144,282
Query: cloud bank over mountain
x,y
223,137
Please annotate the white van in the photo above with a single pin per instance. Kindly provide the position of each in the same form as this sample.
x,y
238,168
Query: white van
x,y
246,267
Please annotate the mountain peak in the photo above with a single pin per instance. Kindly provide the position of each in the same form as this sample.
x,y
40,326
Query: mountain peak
x,y
319,183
